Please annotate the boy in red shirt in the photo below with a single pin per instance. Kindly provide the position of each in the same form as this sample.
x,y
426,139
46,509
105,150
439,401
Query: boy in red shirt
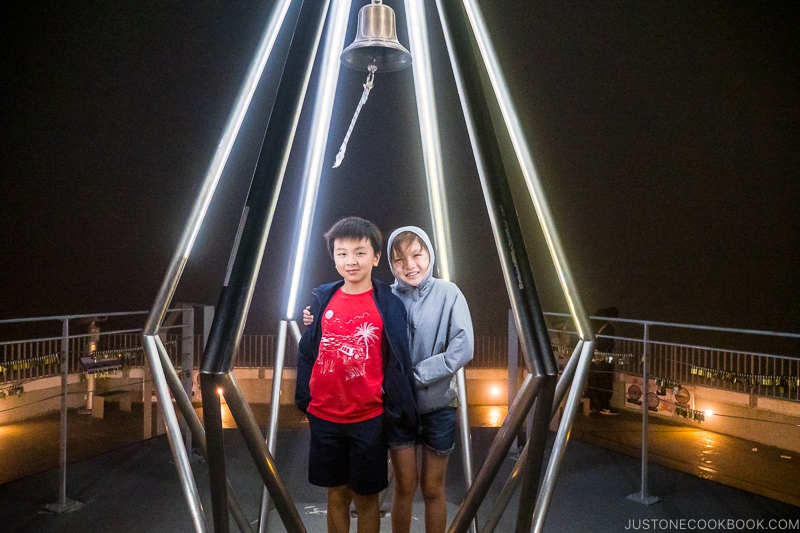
x,y
354,378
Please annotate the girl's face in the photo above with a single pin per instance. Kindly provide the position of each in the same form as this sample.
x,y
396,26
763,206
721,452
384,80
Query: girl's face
x,y
411,263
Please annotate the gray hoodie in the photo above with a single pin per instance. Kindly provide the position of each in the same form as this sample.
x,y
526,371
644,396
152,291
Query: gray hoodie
x,y
439,331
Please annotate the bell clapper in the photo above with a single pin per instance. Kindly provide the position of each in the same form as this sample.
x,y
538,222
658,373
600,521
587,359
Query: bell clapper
x,y
367,88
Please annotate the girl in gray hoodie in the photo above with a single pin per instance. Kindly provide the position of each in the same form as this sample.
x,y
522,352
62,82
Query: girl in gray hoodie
x,y
441,339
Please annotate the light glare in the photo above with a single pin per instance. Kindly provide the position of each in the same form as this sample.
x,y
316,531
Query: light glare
x,y
429,131
495,414
235,121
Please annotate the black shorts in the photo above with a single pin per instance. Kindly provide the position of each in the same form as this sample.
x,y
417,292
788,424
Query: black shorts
x,y
348,454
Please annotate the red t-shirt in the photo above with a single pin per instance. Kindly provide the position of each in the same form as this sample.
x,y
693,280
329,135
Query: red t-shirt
x,y
347,377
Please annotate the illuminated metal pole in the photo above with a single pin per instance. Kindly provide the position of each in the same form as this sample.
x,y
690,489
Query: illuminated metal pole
x,y
434,173
247,255
214,172
525,159
181,255
559,260
514,260
429,131
320,125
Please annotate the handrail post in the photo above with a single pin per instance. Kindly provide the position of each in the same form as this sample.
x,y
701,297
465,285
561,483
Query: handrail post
x,y
274,413
64,505
642,496
466,438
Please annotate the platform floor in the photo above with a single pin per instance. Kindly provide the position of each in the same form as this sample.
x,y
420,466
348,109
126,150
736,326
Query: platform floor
x,y
134,487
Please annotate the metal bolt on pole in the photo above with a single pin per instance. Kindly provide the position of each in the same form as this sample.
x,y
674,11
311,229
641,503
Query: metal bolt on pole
x,y
642,496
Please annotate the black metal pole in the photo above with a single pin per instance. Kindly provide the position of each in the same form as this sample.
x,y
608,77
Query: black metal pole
x,y
236,295
496,454
199,435
528,314
234,300
518,275
263,459
218,481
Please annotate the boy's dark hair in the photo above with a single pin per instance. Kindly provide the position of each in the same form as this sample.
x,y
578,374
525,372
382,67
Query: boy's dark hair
x,y
355,228
405,239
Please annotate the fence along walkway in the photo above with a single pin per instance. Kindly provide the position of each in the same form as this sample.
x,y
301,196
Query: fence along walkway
x,y
671,364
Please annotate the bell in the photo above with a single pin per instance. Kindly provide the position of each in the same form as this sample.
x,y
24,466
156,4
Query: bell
x,y
376,41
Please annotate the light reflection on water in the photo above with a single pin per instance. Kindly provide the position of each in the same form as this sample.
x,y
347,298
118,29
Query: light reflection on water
x,y
706,456
490,416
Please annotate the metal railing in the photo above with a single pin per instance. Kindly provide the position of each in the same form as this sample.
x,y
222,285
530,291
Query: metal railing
x,y
50,355
674,363
767,375
24,361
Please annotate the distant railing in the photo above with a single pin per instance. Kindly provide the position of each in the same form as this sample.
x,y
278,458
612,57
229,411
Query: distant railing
x,y
673,365
670,363
29,360
40,357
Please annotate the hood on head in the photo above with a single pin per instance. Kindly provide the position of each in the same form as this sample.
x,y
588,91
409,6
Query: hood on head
x,y
422,235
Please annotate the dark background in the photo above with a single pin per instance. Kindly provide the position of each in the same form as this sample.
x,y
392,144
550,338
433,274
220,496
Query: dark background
x,y
665,134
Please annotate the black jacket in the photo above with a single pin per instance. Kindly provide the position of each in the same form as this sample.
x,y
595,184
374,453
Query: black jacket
x,y
398,391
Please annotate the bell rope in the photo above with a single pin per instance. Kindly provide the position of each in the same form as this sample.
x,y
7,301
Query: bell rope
x,y
367,88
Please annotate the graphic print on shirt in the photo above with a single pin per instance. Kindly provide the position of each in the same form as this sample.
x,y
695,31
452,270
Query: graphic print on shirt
x,y
346,343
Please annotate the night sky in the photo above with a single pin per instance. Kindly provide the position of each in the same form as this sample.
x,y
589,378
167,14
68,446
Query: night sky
x,y
665,134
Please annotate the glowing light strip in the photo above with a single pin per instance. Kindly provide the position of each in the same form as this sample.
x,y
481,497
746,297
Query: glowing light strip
x,y
170,282
321,121
429,131
235,120
528,170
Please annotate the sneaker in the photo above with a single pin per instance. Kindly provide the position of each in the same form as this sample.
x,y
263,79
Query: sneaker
x,y
609,411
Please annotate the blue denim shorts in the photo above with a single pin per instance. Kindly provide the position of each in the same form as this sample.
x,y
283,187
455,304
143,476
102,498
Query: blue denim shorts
x,y
439,430
399,438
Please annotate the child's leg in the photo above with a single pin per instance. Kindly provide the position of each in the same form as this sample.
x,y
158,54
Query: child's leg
x,y
339,499
434,469
369,470
438,437
369,513
404,464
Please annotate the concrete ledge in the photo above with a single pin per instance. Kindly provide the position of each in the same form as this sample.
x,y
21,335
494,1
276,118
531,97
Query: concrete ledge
x,y
779,406
717,395
773,423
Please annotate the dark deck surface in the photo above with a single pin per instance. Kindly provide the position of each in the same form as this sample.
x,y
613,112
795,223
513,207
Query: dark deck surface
x,y
135,488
